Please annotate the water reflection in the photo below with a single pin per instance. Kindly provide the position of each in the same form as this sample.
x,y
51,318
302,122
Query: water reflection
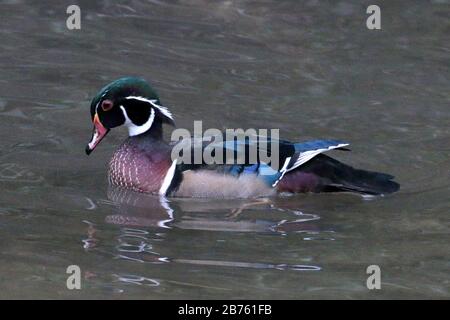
x,y
310,71
17,173
141,210
146,222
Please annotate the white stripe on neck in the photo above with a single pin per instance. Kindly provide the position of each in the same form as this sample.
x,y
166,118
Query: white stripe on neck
x,y
134,130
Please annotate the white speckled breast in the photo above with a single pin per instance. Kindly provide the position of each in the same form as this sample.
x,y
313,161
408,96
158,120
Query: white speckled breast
x,y
133,168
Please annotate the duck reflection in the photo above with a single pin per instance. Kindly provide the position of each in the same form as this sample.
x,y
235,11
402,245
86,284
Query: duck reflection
x,y
148,223
142,210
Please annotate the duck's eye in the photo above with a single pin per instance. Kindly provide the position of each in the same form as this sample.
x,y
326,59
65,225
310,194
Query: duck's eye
x,y
107,105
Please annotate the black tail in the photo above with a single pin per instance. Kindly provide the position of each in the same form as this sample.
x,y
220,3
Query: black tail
x,y
335,176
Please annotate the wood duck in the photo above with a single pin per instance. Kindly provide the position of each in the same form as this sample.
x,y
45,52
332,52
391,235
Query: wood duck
x,y
144,163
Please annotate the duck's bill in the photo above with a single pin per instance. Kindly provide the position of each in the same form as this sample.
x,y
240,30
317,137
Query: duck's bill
x,y
98,134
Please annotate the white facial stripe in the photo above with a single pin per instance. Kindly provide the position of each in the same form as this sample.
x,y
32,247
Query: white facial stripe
x,y
162,109
168,178
134,130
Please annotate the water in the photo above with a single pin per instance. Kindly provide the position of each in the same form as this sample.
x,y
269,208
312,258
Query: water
x,y
313,70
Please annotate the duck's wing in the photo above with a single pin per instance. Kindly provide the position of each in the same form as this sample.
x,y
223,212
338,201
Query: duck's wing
x,y
306,151
269,158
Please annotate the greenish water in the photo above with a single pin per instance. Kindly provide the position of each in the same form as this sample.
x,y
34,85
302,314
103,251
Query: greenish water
x,y
311,69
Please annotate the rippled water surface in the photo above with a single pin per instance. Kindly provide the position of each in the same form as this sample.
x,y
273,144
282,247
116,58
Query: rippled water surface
x,y
311,69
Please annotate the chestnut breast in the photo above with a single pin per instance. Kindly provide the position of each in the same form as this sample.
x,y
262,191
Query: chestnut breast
x,y
134,167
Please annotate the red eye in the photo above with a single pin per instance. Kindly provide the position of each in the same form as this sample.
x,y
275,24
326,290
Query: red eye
x,y
107,105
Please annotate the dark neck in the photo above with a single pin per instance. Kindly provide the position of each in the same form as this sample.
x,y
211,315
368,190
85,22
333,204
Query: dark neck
x,y
151,140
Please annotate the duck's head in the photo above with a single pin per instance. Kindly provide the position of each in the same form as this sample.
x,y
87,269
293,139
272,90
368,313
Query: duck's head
x,y
127,101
